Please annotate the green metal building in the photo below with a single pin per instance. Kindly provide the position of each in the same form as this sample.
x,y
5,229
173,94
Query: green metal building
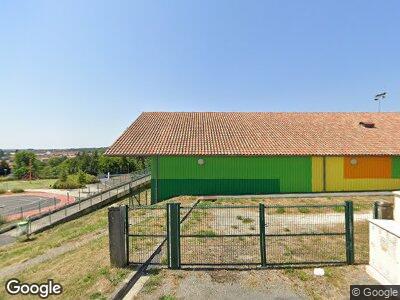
x,y
265,153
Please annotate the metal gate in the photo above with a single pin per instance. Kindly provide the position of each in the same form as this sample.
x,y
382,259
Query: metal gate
x,y
263,235
267,235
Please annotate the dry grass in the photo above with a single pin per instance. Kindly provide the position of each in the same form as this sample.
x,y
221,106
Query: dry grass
x,y
84,273
361,203
72,231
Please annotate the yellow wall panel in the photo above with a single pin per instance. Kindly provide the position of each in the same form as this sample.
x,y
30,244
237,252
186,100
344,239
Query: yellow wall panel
x,y
317,174
335,180
334,174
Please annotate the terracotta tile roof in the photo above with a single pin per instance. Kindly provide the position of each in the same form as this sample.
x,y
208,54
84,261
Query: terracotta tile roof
x,y
248,133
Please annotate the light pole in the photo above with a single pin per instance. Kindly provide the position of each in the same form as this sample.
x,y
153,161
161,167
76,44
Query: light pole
x,y
378,98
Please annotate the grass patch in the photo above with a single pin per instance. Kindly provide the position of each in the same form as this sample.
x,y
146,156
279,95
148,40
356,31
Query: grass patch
x,y
55,237
245,220
280,210
153,282
304,210
84,273
17,190
27,184
206,233
298,273
2,191
338,209
167,297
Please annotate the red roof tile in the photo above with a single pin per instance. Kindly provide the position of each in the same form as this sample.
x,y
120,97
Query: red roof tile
x,y
264,133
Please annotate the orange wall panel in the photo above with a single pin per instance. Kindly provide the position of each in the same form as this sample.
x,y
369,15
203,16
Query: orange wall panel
x,y
368,167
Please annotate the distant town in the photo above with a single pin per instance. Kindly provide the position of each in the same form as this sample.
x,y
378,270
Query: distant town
x,y
7,155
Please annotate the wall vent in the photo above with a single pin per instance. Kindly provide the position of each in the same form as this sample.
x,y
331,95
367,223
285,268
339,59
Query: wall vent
x,y
367,124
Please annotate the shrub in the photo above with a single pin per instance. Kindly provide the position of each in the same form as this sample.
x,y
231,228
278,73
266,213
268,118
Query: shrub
x,y
17,190
74,181
2,191
81,177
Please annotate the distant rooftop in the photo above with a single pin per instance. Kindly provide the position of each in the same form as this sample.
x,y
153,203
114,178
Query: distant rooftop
x,y
260,133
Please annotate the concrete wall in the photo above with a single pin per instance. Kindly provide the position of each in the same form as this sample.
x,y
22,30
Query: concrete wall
x,y
384,247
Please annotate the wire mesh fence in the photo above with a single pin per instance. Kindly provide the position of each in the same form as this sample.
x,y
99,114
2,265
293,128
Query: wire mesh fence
x,y
146,232
243,235
305,234
220,235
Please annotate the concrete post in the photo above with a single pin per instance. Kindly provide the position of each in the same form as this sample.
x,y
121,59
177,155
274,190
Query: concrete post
x,y
383,210
117,236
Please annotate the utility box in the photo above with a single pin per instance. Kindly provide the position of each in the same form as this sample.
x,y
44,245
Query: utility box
x,y
383,210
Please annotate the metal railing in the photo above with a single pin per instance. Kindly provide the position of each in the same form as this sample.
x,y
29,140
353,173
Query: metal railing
x,y
78,199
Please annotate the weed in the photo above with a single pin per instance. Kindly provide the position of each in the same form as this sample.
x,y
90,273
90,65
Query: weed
x,y
302,275
235,227
338,208
2,191
97,296
252,228
245,220
304,210
280,210
17,190
208,232
167,297
153,282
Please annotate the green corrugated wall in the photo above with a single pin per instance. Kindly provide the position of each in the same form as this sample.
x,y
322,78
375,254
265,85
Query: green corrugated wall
x,y
229,175
396,167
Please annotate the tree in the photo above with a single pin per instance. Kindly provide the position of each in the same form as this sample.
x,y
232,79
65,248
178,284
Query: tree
x,y
63,176
81,177
26,164
4,168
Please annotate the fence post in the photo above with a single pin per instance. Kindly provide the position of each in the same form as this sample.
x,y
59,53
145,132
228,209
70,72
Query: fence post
x,y
261,215
173,235
127,232
117,235
349,225
375,211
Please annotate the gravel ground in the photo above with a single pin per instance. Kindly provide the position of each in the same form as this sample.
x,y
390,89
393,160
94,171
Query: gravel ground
x,y
254,284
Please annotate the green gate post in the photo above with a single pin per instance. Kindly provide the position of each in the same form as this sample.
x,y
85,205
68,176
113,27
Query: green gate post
x,y
349,215
261,212
173,235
